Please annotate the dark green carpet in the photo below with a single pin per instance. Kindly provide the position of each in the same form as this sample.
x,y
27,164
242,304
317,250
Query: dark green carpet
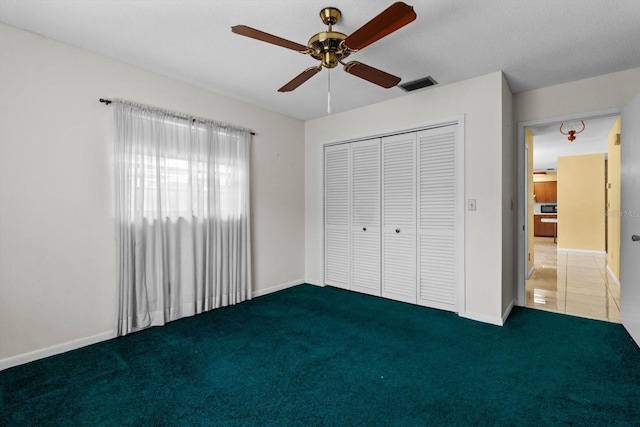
x,y
323,356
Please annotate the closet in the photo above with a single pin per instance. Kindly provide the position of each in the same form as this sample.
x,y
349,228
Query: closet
x,y
393,216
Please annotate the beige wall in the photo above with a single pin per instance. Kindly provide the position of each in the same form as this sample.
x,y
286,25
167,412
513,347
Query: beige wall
x,y
581,194
481,102
528,139
549,176
613,200
57,250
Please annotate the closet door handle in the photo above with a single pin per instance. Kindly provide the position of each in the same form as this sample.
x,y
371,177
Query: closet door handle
x,y
397,230
364,228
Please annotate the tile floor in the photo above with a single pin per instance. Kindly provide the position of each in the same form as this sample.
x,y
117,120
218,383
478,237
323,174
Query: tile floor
x,y
573,283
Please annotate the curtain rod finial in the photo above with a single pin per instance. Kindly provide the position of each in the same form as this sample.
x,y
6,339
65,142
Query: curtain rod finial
x,y
106,101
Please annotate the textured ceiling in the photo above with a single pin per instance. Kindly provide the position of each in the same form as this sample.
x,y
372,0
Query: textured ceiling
x,y
536,43
549,143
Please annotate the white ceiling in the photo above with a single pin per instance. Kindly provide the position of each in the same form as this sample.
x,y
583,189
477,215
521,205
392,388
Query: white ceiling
x,y
549,143
536,43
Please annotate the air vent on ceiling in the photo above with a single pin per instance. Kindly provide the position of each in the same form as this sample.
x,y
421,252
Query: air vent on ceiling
x,y
418,84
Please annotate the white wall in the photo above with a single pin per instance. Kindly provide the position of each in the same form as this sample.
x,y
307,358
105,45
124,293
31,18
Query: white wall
x,y
481,102
57,251
509,203
597,93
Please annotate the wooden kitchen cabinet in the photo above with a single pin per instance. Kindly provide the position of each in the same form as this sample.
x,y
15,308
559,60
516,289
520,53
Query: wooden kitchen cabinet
x,y
543,229
546,192
537,226
552,191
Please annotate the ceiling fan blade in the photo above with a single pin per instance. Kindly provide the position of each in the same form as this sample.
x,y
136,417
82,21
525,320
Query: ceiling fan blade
x,y
300,78
391,19
243,30
371,74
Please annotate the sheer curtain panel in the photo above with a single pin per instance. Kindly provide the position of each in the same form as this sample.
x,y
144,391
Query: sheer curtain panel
x,y
182,213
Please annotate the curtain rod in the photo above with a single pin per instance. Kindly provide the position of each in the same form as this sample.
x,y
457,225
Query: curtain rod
x,y
183,116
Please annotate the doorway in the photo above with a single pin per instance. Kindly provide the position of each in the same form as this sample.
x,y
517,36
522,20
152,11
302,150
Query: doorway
x,y
569,239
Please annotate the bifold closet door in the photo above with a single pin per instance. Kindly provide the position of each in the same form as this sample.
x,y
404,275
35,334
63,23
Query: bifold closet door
x,y
337,211
438,218
399,217
365,216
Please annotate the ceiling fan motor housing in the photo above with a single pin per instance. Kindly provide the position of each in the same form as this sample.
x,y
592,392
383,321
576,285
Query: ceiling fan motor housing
x,y
327,47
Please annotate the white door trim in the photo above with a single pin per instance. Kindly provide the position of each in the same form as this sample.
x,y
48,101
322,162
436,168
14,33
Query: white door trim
x,y
414,127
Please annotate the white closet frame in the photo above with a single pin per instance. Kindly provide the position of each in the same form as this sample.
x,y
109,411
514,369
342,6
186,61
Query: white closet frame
x,y
459,273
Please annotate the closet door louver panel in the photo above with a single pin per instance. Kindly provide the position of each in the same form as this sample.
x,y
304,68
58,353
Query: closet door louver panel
x,y
365,216
394,217
399,217
437,219
336,216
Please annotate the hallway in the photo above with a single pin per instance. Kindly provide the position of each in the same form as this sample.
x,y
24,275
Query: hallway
x,y
572,283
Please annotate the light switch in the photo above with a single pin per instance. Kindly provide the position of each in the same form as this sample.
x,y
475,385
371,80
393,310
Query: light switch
x,y
472,204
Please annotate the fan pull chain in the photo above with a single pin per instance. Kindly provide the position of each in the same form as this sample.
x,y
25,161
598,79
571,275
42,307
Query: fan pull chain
x,y
328,91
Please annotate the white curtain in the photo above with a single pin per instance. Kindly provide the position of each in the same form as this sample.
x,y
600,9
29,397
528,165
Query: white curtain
x,y
182,212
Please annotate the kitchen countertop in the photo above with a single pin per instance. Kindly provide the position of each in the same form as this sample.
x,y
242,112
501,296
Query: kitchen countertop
x,y
538,213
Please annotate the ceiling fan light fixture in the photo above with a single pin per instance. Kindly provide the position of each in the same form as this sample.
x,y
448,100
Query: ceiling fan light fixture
x,y
572,130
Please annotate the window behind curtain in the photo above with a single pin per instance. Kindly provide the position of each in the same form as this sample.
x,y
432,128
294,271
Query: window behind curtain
x,y
174,187
182,208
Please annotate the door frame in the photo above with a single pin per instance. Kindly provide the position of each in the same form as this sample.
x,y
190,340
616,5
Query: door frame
x,y
521,172
525,212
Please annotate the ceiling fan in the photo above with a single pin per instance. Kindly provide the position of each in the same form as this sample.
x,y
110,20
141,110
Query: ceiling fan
x,y
331,47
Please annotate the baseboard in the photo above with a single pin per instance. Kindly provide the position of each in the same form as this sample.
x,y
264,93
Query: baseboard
x,y
583,251
276,288
507,312
21,359
497,321
82,342
613,276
